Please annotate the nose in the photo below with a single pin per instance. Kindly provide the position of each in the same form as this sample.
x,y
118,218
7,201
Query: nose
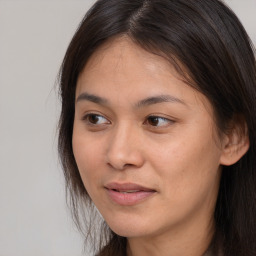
x,y
125,148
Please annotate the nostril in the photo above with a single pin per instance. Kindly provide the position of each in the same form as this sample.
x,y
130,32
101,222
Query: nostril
x,y
127,165
117,165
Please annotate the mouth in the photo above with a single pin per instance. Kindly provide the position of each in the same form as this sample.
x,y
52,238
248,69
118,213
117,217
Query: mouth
x,y
128,193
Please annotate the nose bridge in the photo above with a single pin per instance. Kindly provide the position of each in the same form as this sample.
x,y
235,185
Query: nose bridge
x,y
124,147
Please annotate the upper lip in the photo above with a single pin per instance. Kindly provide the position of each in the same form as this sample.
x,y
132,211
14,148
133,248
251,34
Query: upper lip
x,y
127,187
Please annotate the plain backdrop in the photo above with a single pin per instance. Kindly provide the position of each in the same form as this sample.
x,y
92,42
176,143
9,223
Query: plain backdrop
x,y
34,219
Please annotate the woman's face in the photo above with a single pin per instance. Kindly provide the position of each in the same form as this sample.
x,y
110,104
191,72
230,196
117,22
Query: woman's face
x,y
145,143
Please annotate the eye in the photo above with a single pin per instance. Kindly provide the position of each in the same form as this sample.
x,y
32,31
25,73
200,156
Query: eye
x,y
158,121
95,119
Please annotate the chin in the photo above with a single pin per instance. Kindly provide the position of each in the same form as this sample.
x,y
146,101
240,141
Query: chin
x,y
130,228
129,232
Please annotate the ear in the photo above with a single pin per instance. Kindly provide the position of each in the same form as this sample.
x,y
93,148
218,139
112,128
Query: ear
x,y
235,143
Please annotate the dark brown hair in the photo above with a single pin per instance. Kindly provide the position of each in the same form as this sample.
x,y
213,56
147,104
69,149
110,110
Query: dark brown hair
x,y
205,38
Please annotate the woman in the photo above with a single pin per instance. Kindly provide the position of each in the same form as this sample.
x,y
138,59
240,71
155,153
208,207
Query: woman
x,y
158,125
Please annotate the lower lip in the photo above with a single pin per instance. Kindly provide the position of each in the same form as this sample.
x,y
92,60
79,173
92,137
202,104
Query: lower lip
x,y
129,198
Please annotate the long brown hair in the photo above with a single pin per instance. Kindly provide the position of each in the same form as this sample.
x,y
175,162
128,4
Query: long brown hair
x,y
206,38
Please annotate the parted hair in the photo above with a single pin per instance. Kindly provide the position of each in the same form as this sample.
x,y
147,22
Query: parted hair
x,y
206,43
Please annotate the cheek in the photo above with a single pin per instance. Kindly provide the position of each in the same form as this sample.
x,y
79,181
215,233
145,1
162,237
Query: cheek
x,y
187,167
88,157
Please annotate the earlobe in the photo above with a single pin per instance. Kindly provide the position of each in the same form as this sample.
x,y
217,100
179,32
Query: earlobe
x,y
237,144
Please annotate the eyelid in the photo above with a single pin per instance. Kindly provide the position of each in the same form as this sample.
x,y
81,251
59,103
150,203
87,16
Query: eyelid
x,y
88,114
168,120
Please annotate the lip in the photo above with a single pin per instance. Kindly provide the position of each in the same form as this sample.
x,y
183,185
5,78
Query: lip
x,y
128,193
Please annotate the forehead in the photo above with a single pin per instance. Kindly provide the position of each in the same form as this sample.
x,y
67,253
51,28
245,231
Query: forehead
x,y
120,66
121,54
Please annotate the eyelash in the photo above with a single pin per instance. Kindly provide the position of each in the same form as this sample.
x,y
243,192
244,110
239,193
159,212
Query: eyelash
x,y
158,118
149,120
92,115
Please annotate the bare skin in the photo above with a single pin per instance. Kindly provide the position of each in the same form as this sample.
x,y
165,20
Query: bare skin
x,y
136,122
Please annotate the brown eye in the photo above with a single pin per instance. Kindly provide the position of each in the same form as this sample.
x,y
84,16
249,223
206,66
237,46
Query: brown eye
x,y
153,120
93,119
96,119
158,121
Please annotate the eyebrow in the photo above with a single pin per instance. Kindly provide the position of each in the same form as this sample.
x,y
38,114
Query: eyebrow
x,y
91,97
142,103
159,99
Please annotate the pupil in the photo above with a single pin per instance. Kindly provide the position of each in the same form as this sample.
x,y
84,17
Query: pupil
x,y
93,119
153,121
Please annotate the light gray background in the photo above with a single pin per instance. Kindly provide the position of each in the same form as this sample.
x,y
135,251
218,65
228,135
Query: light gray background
x,y
34,35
